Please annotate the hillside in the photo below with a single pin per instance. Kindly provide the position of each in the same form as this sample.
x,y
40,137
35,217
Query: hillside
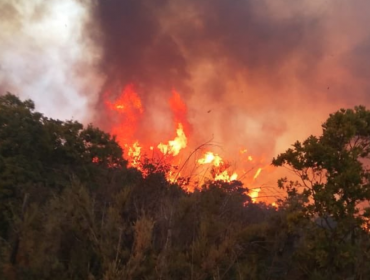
x,y
71,208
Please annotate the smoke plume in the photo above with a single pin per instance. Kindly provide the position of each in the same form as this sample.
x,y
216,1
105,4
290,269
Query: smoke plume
x,y
45,56
254,74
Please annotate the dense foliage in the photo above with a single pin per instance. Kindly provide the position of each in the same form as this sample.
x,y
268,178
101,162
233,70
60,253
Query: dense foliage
x,y
71,209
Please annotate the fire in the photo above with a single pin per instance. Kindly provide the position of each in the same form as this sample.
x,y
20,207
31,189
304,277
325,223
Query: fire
x,y
254,194
224,176
129,108
134,153
255,191
210,157
179,110
257,173
220,168
174,146
126,113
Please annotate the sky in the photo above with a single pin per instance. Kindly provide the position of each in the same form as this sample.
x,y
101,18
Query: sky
x,y
254,74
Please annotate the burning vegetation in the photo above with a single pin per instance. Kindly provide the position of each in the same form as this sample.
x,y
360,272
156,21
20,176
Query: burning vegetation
x,y
190,167
199,95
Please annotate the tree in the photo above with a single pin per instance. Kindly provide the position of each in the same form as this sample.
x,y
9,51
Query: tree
x,y
71,209
22,149
334,187
39,157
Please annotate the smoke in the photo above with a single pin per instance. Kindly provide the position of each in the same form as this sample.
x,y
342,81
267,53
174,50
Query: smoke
x,y
254,74
43,56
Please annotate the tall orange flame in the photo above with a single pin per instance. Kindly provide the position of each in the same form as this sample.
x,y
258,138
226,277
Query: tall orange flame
x,y
179,110
127,111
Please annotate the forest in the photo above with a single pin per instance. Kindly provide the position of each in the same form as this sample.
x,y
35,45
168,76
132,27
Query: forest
x,y
71,208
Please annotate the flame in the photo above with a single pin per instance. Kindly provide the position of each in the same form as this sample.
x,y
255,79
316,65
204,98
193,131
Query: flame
x,y
175,146
219,170
234,176
128,101
255,191
134,153
254,194
210,157
126,111
179,110
257,173
224,176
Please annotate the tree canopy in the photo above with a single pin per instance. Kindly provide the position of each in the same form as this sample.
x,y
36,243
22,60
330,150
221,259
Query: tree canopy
x,y
334,188
70,208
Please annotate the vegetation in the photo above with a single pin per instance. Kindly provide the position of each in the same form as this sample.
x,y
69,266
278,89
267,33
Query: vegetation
x,y
70,208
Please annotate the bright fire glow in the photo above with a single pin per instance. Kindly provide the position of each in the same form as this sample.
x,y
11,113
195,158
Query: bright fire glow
x,y
257,173
175,146
220,168
134,153
224,176
179,111
126,112
210,157
254,194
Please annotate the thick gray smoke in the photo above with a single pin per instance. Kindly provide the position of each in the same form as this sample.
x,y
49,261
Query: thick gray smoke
x,y
161,43
254,74
269,71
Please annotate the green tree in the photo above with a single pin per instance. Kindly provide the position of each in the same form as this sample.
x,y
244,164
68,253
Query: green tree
x,y
39,157
334,189
71,209
22,148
